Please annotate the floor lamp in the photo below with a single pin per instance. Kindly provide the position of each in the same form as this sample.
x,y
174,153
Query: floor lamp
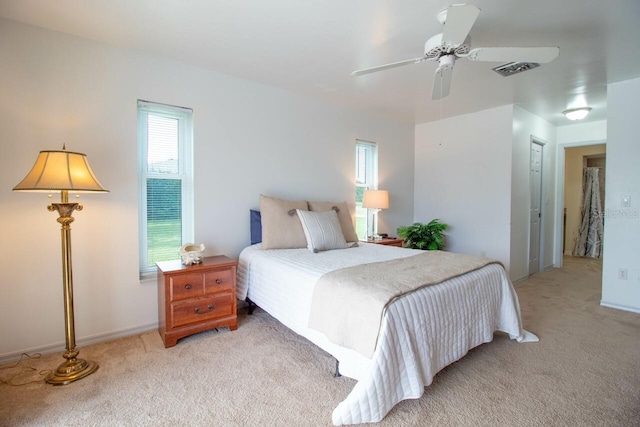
x,y
61,172
375,200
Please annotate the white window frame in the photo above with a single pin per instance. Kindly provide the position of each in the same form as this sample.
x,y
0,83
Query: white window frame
x,y
370,181
185,174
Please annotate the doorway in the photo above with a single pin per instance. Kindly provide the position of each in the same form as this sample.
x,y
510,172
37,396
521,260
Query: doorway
x,y
576,159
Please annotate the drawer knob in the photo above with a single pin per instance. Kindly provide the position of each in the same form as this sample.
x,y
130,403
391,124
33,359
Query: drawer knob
x,y
187,286
197,309
218,281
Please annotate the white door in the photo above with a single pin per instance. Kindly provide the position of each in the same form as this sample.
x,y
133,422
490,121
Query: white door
x,y
535,182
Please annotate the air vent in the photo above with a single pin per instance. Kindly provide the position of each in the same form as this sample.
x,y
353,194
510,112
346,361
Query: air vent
x,y
512,68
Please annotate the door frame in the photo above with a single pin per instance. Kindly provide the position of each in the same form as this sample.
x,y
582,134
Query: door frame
x,y
559,223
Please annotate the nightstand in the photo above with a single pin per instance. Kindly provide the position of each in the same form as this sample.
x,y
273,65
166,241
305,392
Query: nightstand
x,y
197,297
387,241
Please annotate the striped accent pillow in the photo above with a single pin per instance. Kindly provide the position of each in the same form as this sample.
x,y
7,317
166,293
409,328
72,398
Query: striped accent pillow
x,y
322,230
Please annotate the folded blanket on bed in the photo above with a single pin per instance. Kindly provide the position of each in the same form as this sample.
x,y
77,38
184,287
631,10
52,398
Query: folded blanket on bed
x,y
348,304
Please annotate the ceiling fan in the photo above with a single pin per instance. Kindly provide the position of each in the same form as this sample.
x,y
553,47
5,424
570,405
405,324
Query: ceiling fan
x,y
454,42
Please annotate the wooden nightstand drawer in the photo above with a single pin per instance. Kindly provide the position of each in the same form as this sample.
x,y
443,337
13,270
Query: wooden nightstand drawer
x,y
218,281
202,309
185,286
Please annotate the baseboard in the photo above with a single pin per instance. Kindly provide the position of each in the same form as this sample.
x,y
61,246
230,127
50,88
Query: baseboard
x,y
80,342
619,307
523,278
520,280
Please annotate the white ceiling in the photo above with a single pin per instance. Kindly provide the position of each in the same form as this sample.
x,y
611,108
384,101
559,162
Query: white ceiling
x,y
311,47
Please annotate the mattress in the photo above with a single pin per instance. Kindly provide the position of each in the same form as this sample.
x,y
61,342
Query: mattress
x,y
421,332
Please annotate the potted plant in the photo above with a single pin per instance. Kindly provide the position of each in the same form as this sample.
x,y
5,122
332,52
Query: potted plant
x,y
423,236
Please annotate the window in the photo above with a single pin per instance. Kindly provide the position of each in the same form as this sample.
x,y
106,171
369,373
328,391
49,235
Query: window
x,y
165,173
366,178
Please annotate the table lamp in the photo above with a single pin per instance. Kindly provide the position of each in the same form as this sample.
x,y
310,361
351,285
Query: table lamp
x,y
375,200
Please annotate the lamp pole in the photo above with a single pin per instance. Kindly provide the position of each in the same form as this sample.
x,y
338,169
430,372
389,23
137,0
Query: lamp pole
x,y
73,368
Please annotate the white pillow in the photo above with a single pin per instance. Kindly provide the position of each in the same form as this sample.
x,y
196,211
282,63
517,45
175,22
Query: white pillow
x,y
322,230
344,216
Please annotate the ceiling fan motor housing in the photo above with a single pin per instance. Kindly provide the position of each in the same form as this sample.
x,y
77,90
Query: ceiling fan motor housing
x,y
446,62
434,48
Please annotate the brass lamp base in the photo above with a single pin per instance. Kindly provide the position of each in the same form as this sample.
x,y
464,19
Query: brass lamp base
x,y
71,370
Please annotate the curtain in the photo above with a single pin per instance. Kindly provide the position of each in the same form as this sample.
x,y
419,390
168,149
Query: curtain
x,y
589,240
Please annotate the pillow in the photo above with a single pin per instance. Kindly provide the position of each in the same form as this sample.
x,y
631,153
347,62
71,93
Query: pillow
x,y
256,226
346,222
281,227
322,230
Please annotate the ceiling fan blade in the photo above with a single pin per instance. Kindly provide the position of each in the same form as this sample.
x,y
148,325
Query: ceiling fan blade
x,y
387,66
441,82
514,54
458,23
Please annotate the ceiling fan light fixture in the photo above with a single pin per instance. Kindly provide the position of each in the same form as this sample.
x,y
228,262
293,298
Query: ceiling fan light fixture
x,y
576,113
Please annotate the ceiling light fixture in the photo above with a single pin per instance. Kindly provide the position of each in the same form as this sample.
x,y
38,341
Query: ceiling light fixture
x,y
577,113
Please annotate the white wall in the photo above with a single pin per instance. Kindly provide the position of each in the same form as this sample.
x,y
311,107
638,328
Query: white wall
x,y
463,175
582,134
622,225
526,127
249,139
472,171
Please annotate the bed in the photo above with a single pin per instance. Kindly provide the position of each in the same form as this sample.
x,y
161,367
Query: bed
x,y
420,332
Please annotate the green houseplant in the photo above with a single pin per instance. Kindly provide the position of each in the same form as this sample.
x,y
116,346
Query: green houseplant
x,y
423,236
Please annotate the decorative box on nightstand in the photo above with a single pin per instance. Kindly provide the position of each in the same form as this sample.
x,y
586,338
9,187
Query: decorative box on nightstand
x,y
194,298
387,241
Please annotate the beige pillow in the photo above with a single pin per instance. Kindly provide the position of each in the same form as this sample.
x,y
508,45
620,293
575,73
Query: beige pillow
x,y
346,222
281,228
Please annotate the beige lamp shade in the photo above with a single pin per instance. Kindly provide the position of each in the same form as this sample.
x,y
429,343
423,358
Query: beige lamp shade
x,y
56,171
376,199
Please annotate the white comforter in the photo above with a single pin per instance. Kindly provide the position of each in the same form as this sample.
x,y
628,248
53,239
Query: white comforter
x,y
421,332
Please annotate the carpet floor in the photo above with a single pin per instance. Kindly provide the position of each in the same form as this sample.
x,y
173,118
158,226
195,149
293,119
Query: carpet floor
x,y
585,371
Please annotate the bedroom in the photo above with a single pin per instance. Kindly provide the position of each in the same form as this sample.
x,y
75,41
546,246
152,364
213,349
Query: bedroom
x,y
252,138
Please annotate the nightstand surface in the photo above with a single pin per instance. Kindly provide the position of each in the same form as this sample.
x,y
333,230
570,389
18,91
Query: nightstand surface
x,y
207,262
387,241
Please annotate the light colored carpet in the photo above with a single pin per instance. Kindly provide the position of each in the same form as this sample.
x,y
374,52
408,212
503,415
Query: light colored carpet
x,y
584,371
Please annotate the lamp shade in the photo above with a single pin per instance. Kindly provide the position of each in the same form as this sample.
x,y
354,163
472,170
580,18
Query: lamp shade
x,y
376,199
56,171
